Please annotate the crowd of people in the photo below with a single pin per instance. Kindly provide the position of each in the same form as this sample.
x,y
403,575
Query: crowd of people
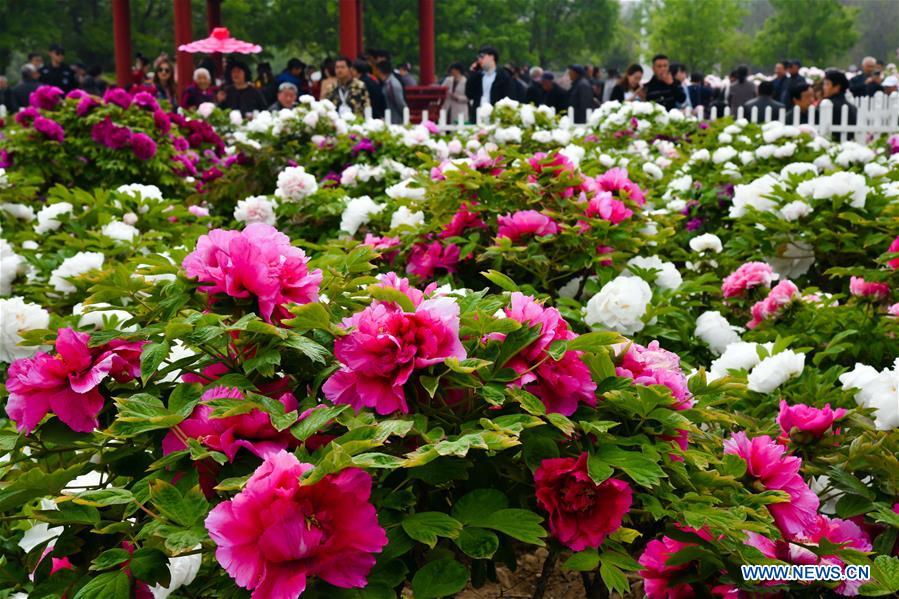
x,y
371,81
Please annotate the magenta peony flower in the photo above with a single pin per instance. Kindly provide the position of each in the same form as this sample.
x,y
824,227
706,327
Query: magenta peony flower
x,y
463,220
110,135
252,430
258,262
617,181
781,295
857,285
766,463
385,346
749,275
581,513
894,248
560,384
380,243
662,581
604,206
67,383
77,94
46,97
117,96
526,222
425,259
146,100
49,129
143,146
162,122
276,533
26,116
652,365
807,419
555,164
85,105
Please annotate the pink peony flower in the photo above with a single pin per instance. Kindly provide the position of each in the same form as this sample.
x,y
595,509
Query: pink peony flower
x,y
857,285
554,164
49,128
652,365
393,281
67,383
617,181
894,248
526,222
258,262
581,513
276,533
46,97
749,275
198,211
110,135
663,581
26,116
425,259
462,221
143,146
163,123
560,384
766,462
380,243
894,310
85,105
604,206
781,295
146,100
807,419
385,346
252,430
117,96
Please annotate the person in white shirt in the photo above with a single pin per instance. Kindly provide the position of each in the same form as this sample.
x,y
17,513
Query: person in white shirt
x,y
487,83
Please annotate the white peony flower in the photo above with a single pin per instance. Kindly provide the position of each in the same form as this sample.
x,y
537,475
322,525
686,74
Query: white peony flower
x,y
183,570
652,170
798,168
795,210
129,218
667,276
878,391
256,209
358,212
119,231
723,154
740,355
835,185
507,135
205,109
295,184
404,216
17,317
574,153
774,371
793,259
19,211
620,305
754,194
140,191
715,331
681,184
11,265
47,217
99,315
402,191
853,153
706,242
872,169
78,264
235,117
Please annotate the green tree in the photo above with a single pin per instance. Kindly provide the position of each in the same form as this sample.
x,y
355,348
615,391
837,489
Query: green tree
x,y
700,34
813,31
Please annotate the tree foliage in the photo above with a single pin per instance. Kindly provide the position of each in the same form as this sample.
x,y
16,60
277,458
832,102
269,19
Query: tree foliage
x,y
813,31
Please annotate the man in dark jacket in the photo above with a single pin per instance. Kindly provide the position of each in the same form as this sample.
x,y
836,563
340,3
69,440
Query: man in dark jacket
x,y
535,92
58,72
553,95
763,101
792,81
700,93
662,89
294,73
580,96
362,71
27,84
780,80
835,86
802,96
864,84
487,83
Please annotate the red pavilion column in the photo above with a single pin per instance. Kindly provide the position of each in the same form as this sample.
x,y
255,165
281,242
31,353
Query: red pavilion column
x,y
213,20
426,41
121,25
360,47
348,28
184,62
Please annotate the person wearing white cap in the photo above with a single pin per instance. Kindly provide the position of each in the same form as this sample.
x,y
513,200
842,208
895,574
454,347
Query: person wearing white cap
x,y
287,97
890,84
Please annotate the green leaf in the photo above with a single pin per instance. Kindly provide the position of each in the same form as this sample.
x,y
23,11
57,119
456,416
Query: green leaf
x,y
848,482
582,561
598,470
523,525
110,585
425,527
309,316
316,420
151,357
71,513
479,505
643,470
478,542
142,412
500,280
853,505
595,342
733,465
391,294
151,566
35,483
110,558
263,362
185,510
309,348
614,578
439,578
104,497
378,460
516,341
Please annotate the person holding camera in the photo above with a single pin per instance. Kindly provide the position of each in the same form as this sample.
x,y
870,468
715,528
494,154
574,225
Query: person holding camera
x,y
487,83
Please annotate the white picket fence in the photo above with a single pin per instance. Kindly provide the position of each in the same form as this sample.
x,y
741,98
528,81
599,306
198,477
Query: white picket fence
x,y
876,115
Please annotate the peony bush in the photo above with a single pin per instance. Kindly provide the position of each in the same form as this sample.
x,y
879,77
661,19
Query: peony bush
x,y
305,356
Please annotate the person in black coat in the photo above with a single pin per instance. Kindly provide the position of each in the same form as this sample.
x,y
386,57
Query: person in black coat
x,y
780,80
240,94
792,81
553,95
535,91
486,76
662,88
58,72
865,83
27,84
700,93
835,86
362,71
580,96
762,102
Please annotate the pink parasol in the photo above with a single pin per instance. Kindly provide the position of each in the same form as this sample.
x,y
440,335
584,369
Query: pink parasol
x,y
220,41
